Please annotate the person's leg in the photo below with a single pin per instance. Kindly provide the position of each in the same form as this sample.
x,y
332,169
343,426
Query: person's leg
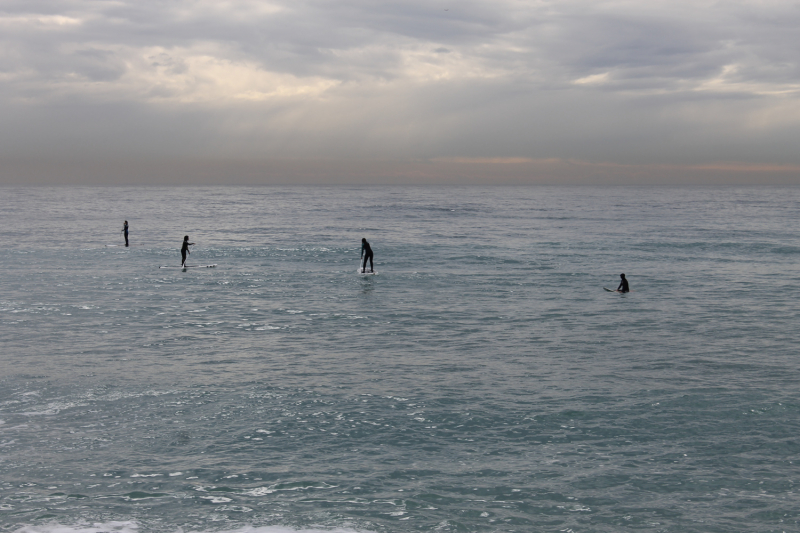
x,y
183,258
371,268
126,239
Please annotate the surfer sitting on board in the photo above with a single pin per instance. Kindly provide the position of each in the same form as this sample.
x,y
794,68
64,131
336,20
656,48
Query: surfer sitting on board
x,y
185,249
623,284
366,253
125,231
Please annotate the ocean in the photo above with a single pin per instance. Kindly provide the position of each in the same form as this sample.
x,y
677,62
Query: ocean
x,y
481,381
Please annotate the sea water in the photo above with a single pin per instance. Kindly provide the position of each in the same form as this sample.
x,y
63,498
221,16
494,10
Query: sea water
x,y
482,381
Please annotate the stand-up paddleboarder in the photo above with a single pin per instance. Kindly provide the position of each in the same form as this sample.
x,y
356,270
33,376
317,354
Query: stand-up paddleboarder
x,y
366,253
125,231
185,249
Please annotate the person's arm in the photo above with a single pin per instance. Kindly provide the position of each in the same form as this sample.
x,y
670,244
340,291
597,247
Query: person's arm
x,y
362,251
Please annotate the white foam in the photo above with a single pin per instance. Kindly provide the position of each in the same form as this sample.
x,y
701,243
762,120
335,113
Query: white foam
x,y
53,408
216,499
132,527
116,527
259,491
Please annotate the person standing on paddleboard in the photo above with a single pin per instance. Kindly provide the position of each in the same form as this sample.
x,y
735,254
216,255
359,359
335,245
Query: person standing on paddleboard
x,y
366,253
125,231
623,284
185,249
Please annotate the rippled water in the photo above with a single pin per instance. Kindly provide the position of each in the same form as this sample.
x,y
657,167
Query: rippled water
x,y
482,381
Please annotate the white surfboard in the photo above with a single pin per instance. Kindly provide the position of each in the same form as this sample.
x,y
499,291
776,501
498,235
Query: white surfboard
x,y
366,273
188,266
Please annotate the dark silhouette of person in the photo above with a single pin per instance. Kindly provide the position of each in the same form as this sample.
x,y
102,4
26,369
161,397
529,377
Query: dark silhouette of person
x,y
366,253
623,284
125,231
185,249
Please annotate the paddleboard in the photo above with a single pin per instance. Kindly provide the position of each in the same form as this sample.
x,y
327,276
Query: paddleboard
x,y
188,266
366,273
609,290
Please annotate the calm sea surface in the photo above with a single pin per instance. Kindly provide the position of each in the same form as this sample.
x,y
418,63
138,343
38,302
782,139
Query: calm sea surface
x,y
482,381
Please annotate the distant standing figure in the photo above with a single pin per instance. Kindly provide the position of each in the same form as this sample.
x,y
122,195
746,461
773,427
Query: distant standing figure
x,y
185,249
366,253
125,231
623,284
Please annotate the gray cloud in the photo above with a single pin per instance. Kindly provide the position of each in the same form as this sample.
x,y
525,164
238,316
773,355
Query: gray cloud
x,y
600,82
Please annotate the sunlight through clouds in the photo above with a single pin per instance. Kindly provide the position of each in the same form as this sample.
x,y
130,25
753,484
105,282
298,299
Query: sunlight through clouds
x,y
231,10
594,79
189,76
32,22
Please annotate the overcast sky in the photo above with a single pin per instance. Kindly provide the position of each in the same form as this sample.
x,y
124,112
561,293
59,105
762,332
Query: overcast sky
x,y
412,91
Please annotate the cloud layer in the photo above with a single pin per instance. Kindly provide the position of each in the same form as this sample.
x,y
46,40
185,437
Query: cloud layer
x,y
614,84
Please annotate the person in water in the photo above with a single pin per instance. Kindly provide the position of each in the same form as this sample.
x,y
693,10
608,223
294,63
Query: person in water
x,y
623,284
185,249
366,253
125,231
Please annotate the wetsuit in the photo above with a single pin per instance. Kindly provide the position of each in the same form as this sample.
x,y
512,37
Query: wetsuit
x,y
366,253
125,230
184,251
623,286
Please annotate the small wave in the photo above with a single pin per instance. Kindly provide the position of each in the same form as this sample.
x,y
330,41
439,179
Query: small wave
x,y
133,527
300,485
